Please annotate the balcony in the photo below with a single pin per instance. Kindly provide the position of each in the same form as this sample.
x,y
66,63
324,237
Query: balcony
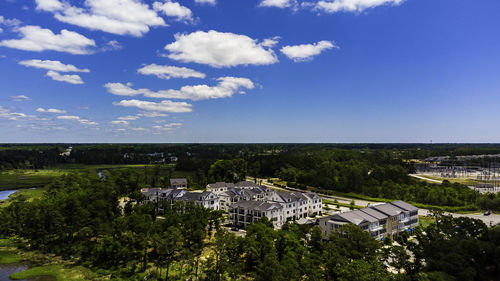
x,y
376,228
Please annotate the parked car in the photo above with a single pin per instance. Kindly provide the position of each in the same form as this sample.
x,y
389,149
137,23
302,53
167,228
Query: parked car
x,y
487,213
235,229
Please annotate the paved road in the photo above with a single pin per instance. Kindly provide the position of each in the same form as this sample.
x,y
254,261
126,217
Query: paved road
x,y
425,179
492,219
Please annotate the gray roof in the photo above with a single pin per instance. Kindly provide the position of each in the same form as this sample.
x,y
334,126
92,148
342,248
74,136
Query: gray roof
x,y
220,184
349,217
405,206
256,205
291,197
374,213
178,181
387,209
246,184
365,216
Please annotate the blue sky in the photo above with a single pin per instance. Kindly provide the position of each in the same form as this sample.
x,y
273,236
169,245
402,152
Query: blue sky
x,y
249,71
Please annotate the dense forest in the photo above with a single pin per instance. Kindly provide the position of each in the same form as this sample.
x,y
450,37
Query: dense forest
x,y
79,218
374,170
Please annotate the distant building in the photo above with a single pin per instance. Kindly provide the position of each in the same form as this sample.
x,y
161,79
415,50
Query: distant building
x,y
244,213
206,199
379,220
180,183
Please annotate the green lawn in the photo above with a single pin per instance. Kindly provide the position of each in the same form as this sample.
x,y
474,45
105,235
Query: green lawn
x,y
425,221
58,272
15,179
9,257
330,202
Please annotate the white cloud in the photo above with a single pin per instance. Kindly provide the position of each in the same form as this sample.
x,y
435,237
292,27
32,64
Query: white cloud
x,y
20,98
163,106
73,79
82,121
270,42
1,30
219,49
305,52
121,17
49,5
226,87
51,110
52,65
167,127
35,38
210,2
10,22
120,122
351,5
128,118
152,114
112,45
278,3
174,9
8,114
167,72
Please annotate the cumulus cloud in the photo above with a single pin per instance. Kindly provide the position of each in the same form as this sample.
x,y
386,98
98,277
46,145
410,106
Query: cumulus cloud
x,y
20,98
52,65
51,110
306,52
123,17
112,45
270,42
163,106
72,79
82,121
167,72
226,87
128,118
278,3
8,114
167,127
219,49
152,114
210,2
9,22
120,122
37,39
334,6
174,9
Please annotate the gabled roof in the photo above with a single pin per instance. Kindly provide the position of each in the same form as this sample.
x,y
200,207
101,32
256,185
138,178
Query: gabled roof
x,y
348,217
365,216
256,205
246,184
374,213
221,184
405,206
387,209
178,181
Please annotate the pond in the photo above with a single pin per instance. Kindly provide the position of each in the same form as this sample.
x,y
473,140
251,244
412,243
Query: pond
x,y
4,194
8,269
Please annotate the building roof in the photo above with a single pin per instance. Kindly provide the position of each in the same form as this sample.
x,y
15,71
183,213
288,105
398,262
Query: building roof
x,y
388,209
246,184
365,216
374,213
349,217
221,184
405,206
256,205
178,181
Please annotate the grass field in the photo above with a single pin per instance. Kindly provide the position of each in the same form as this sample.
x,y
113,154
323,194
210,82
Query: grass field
x,y
58,272
425,221
16,179
470,182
